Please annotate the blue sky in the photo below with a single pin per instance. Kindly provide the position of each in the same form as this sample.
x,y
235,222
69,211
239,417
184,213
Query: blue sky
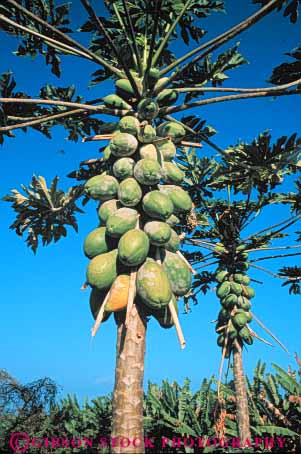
x,y
45,318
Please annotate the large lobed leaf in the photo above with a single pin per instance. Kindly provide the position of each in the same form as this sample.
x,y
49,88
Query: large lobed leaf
x,y
43,212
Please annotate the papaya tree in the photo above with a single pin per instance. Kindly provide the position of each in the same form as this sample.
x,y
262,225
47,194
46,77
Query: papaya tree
x,y
231,195
136,269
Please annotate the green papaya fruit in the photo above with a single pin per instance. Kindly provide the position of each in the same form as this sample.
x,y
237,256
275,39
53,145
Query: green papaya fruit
x,y
241,247
241,318
178,273
241,278
159,83
167,150
147,109
147,134
173,220
106,154
236,288
249,292
243,266
157,205
102,270
220,340
133,247
158,232
223,316
129,124
116,102
102,187
243,303
246,280
121,221
232,332
147,172
173,130
173,244
108,208
123,144
172,174
220,250
223,289
95,243
153,74
180,198
245,335
125,86
229,301
163,316
129,192
221,276
123,168
148,151
153,285
167,97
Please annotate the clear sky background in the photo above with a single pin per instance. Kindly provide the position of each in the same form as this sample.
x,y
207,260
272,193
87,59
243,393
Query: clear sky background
x,y
45,319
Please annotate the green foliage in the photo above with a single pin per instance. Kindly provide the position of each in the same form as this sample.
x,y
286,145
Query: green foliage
x,y
77,126
170,410
43,211
293,275
288,72
199,74
290,10
144,15
261,165
30,45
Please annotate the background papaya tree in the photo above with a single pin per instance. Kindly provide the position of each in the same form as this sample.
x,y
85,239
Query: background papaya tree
x,y
140,53
230,196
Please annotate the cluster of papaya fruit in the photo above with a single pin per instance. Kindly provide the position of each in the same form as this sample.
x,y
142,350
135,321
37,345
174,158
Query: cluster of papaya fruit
x,y
234,293
140,201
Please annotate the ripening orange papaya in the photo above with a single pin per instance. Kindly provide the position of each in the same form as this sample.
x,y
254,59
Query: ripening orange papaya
x,y
118,297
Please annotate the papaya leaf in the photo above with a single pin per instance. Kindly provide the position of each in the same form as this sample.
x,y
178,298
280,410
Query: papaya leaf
x,y
261,164
293,275
11,113
288,72
207,71
291,8
44,212
30,45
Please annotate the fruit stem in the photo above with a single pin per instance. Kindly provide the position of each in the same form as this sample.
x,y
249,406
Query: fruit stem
x,y
97,137
100,316
191,144
175,319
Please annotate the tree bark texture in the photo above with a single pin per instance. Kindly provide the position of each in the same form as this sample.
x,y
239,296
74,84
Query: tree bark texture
x,y
242,410
128,390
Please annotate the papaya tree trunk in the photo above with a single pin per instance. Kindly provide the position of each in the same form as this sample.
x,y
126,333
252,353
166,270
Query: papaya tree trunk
x,y
128,391
242,409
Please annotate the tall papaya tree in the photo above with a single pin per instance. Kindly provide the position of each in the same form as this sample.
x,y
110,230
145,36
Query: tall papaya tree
x,y
135,262
250,179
